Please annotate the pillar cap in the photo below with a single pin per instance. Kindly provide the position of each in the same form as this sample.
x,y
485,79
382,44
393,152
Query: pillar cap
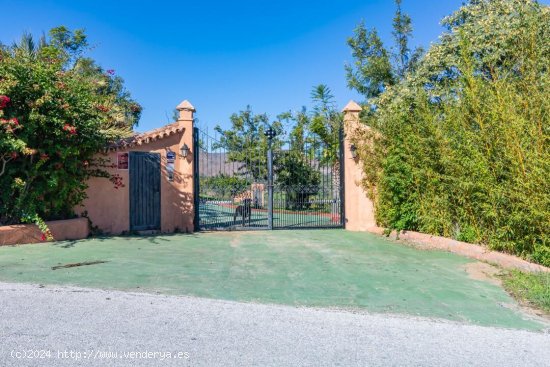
x,y
185,106
352,106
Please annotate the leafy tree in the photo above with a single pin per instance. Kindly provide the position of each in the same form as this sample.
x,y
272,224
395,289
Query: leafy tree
x,y
58,110
405,58
246,143
297,177
326,123
373,71
295,163
224,186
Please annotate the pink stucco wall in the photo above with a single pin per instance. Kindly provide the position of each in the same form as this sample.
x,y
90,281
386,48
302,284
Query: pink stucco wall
x,y
70,229
109,208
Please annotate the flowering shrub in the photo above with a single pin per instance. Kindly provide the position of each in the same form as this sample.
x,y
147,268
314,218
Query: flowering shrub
x,y
46,233
116,179
4,101
57,109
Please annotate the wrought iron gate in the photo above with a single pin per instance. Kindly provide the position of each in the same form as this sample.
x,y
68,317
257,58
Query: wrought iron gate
x,y
291,185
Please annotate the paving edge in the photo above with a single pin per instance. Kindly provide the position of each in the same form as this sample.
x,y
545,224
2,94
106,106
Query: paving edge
x,y
473,251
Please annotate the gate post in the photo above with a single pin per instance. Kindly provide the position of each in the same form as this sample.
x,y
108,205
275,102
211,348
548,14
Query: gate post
x,y
186,167
359,209
270,133
196,181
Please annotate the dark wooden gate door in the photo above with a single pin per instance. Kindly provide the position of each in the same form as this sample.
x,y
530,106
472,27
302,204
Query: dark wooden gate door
x,y
144,191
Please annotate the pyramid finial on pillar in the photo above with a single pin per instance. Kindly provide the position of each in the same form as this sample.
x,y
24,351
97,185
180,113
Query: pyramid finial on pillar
x,y
352,106
186,111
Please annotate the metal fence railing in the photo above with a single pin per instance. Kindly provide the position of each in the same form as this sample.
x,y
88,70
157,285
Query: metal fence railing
x,y
286,186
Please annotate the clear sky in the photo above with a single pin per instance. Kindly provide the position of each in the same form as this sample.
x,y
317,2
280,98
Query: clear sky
x,y
223,55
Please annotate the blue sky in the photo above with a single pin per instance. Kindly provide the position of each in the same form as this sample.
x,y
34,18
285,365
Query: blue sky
x,y
223,55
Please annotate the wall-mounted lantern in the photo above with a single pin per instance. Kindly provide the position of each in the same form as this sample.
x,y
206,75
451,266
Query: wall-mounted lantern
x,y
184,151
353,150
270,133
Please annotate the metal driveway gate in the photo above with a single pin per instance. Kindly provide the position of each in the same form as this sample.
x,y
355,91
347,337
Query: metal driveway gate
x,y
286,185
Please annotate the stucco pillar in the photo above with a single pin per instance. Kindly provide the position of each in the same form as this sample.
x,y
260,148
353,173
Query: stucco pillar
x,y
185,167
359,209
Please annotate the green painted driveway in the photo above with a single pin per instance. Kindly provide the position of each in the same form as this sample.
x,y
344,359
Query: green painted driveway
x,y
324,268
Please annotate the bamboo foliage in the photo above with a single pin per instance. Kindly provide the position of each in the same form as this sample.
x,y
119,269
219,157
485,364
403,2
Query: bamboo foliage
x,y
460,147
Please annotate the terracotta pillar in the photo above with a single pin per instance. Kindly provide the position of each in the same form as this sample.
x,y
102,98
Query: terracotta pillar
x,y
359,209
185,167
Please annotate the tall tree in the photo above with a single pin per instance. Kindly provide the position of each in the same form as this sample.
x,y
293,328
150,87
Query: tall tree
x,y
374,68
326,123
246,143
371,71
405,59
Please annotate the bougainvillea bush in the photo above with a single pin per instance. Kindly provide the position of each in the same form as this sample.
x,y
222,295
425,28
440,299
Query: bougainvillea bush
x,y
57,109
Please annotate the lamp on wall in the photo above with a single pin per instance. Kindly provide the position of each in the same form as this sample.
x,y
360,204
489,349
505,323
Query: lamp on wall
x,y
353,150
184,151
270,133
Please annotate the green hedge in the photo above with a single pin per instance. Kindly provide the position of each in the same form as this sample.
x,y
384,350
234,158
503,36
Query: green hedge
x,y
461,147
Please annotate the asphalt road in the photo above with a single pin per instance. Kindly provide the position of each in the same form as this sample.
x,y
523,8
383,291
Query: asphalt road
x,y
62,326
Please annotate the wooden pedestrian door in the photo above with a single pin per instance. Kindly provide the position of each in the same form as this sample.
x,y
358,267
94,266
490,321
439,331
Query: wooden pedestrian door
x,y
144,191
